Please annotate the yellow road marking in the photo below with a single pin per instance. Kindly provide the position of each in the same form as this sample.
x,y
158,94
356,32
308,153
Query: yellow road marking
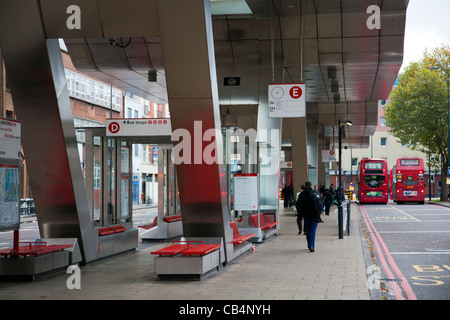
x,y
402,212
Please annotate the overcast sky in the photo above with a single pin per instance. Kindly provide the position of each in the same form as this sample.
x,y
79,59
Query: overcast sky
x,y
427,26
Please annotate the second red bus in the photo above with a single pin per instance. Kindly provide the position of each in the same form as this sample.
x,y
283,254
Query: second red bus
x,y
408,180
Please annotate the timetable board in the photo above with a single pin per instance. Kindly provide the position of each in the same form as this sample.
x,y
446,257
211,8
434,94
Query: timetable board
x,y
246,192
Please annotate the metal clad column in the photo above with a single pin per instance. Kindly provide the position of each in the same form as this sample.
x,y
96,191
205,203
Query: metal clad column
x,y
186,32
41,101
299,152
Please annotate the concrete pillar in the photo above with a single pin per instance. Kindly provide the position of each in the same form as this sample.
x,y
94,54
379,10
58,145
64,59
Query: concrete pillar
x,y
299,152
321,173
190,70
41,101
312,138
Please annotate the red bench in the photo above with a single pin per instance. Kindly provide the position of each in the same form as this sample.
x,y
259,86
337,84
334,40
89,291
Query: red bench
x,y
111,230
151,225
172,218
265,224
238,237
174,248
201,249
187,248
34,249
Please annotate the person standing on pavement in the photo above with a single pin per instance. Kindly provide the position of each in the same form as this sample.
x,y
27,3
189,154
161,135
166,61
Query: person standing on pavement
x,y
328,201
299,213
306,206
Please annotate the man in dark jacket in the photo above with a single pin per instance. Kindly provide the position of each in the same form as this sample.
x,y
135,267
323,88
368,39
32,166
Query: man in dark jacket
x,y
299,213
305,206
328,200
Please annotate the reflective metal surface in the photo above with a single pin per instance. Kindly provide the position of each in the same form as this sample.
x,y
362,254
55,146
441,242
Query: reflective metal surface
x,y
192,90
319,42
303,40
41,101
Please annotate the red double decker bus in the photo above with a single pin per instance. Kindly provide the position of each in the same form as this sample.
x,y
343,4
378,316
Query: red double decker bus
x,y
373,182
408,180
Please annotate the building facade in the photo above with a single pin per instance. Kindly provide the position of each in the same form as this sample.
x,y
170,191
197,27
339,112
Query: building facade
x,y
93,101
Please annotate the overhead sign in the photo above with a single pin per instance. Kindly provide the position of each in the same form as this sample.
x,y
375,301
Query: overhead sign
x,y
328,156
246,192
286,165
287,100
9,139
138,127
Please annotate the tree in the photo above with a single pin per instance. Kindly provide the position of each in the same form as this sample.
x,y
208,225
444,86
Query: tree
x,y
417,109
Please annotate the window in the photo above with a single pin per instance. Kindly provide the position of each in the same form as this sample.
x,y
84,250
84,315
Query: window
x,y
383,142
97,175
383,122
354,161
89,90
130,112
144,153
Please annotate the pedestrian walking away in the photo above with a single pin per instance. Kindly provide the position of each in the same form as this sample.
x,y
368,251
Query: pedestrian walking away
x,y
310,205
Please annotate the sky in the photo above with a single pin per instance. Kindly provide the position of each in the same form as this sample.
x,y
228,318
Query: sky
x,y
427,27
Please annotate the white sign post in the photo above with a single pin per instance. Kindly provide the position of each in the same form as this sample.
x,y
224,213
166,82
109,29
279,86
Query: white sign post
x,y
287,100
328,156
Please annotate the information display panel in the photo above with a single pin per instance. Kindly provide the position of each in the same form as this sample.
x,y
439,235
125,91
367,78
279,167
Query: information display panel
x,y
9,195
246,192
9,174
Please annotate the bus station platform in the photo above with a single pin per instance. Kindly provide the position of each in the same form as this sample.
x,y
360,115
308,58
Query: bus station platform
x,y
280,268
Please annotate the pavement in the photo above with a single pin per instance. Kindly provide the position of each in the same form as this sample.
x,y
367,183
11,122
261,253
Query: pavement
x,y
439,203
280,268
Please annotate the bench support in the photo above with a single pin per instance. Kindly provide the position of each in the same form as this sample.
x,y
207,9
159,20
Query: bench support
x,y
164,229
28,265
191,266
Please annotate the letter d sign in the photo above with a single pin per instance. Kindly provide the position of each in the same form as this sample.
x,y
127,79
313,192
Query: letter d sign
x,y
114,127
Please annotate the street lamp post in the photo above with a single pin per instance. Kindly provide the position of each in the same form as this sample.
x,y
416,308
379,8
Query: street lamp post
x,y
339,194
448,113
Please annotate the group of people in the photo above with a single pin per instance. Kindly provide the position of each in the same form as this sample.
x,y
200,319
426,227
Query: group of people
x,y
310,204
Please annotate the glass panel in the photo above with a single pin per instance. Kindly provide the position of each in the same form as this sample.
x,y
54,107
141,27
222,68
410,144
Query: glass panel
x,y
410,182
124,182
97,183
110,187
